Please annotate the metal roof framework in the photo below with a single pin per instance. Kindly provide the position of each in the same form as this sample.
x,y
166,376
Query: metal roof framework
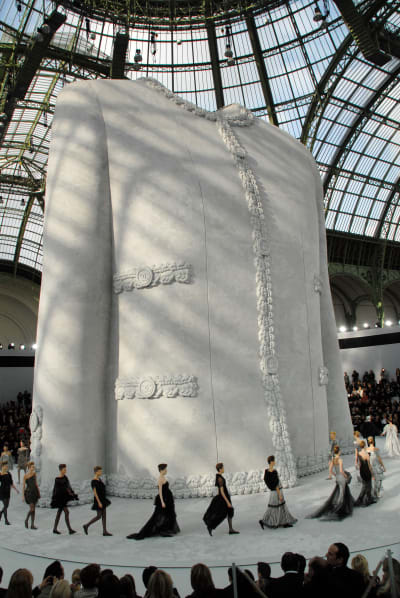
x,y
307,77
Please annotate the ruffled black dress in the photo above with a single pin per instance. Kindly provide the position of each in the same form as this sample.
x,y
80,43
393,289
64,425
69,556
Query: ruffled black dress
x,y
218,509
62,493
101,493
365,498
163,521
6,482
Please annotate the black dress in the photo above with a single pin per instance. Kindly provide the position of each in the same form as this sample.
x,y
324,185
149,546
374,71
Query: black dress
x,y
62,493
31,491
101,493
163,521
6,482
218,509
365,498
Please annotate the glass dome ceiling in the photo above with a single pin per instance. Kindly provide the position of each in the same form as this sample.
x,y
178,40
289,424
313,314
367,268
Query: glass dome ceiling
x,y
304,71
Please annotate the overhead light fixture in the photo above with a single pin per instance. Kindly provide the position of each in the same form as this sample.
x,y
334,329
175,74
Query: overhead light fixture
x,y
355,328
22,347
1,346
342,329
34,346
388,323
179,42
11,346
318,15
365,325
137,60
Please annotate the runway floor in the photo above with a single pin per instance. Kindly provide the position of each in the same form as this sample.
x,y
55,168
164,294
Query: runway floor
x,y
369,530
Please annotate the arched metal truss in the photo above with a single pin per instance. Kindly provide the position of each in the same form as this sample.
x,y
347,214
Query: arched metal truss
x,y
307,77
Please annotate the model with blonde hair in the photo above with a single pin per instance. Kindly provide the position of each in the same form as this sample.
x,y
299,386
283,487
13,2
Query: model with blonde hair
x,y
377,467
332,437
61,589
340,503
30,493
160,585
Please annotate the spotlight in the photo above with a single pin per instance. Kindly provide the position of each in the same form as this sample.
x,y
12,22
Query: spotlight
x,y
138,56
34,346
11,346
45,29
179,42
228,51
22,347
365,325
355,328
388,323
1,346
342,329
318,15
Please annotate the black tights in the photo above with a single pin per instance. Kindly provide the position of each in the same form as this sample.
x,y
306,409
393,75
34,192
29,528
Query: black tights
x,y
101,514
6,502
57,519
31,515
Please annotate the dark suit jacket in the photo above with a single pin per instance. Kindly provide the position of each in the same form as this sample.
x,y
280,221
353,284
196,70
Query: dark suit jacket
x,y
287,586
347,583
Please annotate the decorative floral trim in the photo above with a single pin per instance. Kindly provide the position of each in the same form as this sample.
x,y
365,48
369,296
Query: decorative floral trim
x,y
323,374
266,333
36,424
155,387
142,277
317,284
225,119
236,115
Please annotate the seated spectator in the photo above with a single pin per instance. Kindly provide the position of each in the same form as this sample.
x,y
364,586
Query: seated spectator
x,y
20,585
53,573
61,589
75,580
109,586
301,564
147,573
3,591
128,586
264,577
202,582
317,580
160,585
89,579
345,582
291,583
359,563
384,590
246,587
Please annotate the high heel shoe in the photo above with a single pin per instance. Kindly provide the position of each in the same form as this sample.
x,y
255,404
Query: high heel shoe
x,y
209,530
261,522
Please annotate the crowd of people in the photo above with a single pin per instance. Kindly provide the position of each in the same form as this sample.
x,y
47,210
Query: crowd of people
x,y
14,425
327,577
373,400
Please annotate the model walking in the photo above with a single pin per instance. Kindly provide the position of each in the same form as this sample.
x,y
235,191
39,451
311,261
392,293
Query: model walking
x,y
163,521
221,505
332,437
30,493
340,503
377,467
100,502
277,513
6,483
22,462
366,473
62,495
6,457
392,444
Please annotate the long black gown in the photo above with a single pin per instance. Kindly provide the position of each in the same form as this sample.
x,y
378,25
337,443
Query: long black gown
x,y
218,509
163,521
365,497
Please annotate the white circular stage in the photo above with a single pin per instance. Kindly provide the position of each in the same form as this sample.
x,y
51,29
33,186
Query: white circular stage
x,y
368,528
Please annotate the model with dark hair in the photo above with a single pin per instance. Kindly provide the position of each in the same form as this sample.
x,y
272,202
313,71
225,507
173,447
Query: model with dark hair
x,y
163,521
22,462
6,483
277,513
220,506
366,473
340,503
100,501
30,493
62,495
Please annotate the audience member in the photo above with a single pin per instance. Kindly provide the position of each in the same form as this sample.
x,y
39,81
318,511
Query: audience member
x,y
61,589
160,585
3,591
291,582
264,577
384,590
346,582
202,582
128,587
89,579
20,585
